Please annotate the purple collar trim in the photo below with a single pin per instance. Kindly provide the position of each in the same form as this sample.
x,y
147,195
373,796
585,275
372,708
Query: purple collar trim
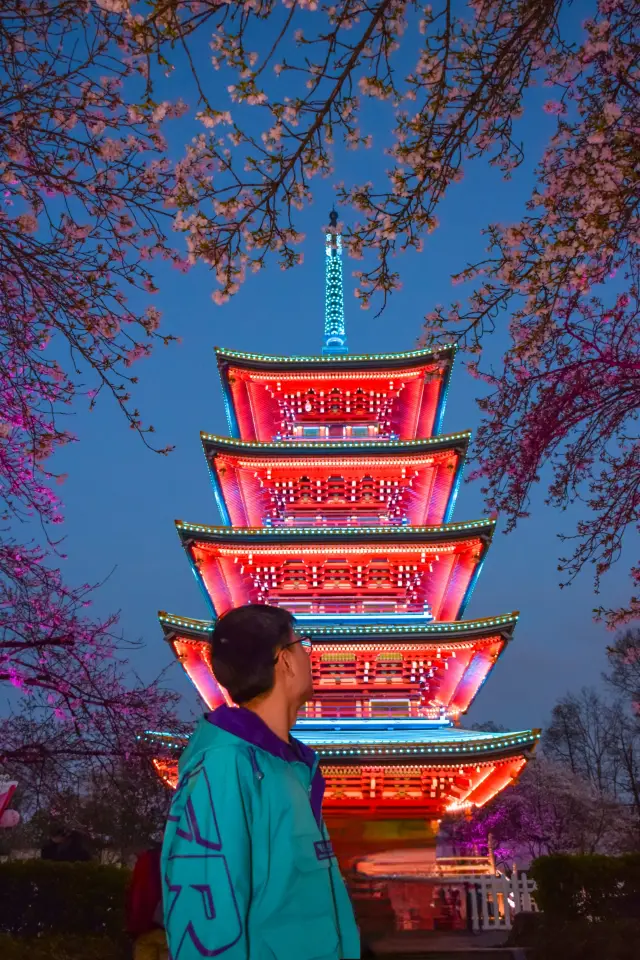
x,y
248,726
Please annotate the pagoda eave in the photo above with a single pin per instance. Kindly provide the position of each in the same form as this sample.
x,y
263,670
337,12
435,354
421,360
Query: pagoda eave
x,y
261,361
457,631
391,395
351,572
481,529
213,444
419,779
347,664
358,483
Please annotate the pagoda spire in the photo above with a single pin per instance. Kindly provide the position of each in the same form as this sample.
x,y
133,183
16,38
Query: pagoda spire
x,y
335,335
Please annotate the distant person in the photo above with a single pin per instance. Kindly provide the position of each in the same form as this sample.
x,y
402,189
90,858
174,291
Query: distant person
x,y
53,846
248,867
144,907
73,849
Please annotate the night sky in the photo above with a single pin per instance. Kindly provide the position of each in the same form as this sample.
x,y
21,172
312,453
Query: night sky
x,y
121,499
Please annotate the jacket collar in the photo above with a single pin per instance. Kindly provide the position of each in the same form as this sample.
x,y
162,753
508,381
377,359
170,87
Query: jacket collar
x,y
248,726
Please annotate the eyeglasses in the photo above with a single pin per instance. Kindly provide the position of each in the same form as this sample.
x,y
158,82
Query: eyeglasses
x,y
305,643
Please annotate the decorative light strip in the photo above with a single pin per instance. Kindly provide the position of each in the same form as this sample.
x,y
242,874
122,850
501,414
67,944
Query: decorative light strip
x,y
445,350
315,533
390,374
178,742
344,461
379,723
207,626
321,549
304,618
290,445
430,649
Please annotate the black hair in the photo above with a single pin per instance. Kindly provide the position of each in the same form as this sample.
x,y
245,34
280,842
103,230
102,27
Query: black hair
x,y
244,645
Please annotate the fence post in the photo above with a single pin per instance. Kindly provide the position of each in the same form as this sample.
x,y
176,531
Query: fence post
x,y
485,903
515,886
473,897
526,893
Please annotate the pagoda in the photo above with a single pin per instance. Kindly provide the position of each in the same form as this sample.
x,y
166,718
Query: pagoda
x,y
336,493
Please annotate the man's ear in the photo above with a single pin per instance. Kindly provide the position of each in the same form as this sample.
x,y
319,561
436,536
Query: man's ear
x,y
285,660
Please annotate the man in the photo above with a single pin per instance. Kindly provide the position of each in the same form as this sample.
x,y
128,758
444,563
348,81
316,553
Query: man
x,y
248,869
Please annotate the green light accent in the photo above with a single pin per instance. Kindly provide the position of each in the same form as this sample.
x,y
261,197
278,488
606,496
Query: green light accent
x,y
337,358
207,626
527,738
335,335
329,447
324,533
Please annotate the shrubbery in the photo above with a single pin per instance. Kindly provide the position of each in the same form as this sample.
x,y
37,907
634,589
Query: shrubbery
x,y
590,909
40,898
60,948
592,887
545,939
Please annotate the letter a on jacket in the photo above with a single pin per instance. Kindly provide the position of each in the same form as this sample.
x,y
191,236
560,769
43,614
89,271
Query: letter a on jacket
x,y
248,869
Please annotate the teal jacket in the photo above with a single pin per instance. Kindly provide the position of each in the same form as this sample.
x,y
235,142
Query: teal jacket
x,y
248,869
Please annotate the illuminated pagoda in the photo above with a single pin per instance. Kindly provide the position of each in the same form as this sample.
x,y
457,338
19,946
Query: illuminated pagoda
x,y
336,493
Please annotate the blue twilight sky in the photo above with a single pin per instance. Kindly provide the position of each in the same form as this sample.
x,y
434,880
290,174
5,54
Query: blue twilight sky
x,y
121,499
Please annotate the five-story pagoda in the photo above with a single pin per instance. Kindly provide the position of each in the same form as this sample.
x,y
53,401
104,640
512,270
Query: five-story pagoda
x,y
336,492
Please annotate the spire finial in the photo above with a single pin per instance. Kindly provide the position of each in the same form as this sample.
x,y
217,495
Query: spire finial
x,y
335,336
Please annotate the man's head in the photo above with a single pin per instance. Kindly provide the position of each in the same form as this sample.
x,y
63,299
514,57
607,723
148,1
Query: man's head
x,y
255,653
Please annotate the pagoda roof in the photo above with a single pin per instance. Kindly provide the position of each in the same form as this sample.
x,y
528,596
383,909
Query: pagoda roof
x,y
392,742
267,397
352,448
409,572
459,654
356,361
294,482
456,632
482,529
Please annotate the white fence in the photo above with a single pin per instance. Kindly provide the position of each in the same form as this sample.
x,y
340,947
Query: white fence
x,y
494,901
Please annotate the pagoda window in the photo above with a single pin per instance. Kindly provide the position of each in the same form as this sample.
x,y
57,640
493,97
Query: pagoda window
x,y
335,488
309,405
311,432
389,666
379,572
359,431
335,401
294,573
368,488
337,668
336,430
306,488
337,573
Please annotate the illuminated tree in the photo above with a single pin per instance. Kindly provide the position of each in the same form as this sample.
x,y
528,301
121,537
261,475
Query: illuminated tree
x,y
84,179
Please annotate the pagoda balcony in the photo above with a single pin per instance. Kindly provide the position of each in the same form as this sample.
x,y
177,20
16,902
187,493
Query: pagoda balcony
x,y
390,483
335,397
365,672
426,572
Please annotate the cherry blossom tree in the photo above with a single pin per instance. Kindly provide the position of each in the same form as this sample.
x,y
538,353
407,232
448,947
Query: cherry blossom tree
x,y
567,391
84,176
549,810
299,77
